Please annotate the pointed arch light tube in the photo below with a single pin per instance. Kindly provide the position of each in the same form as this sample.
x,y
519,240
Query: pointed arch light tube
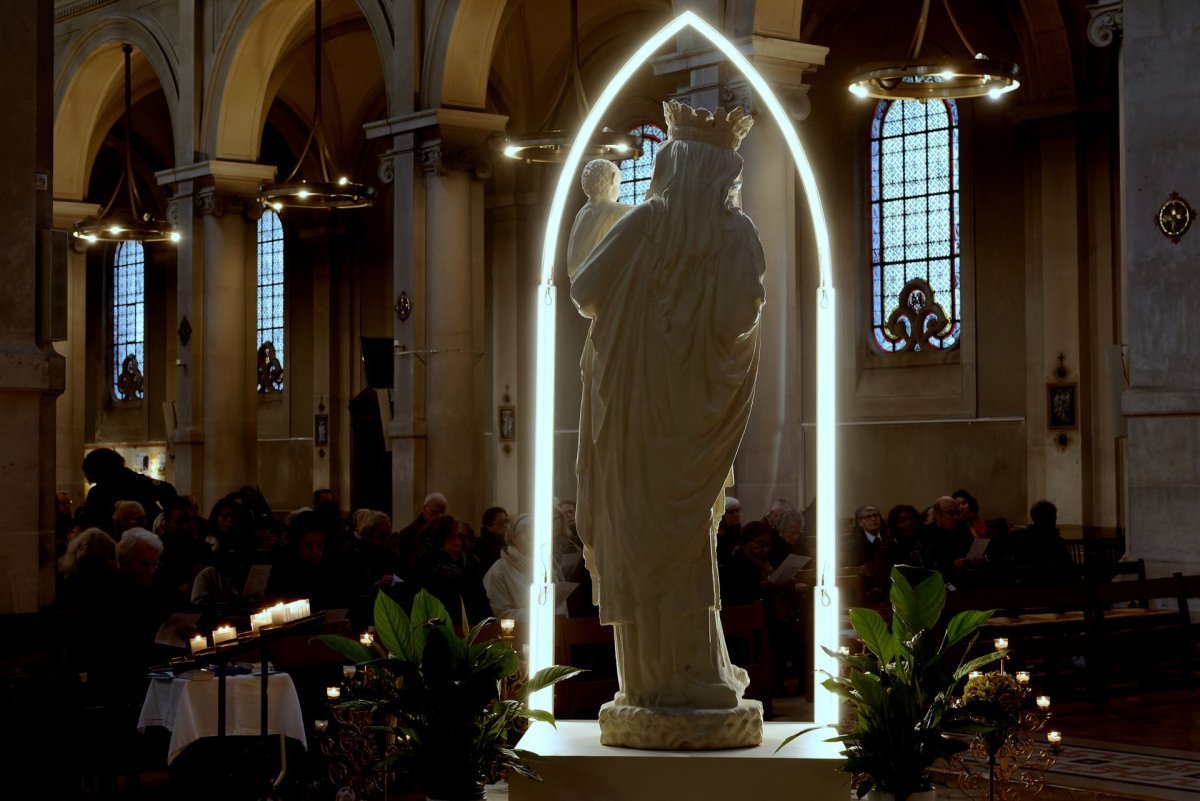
x,y
825,626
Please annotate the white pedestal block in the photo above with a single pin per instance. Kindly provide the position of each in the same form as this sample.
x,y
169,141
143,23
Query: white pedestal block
x,y
576,767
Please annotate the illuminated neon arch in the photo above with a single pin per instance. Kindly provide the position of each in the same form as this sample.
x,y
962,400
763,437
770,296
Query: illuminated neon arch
x,y
541,592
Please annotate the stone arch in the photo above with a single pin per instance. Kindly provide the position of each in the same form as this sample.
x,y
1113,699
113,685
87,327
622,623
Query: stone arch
x,y
459,56
88,79
1045,52
243,85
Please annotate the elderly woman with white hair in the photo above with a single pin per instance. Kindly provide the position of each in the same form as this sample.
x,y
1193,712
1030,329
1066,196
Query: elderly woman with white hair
x,y
88,569
507,581
138,552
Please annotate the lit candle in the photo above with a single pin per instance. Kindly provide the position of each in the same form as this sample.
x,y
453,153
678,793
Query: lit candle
x,y
223,633
1022,677
1001,643
1043,702
199,643
278,615
367,639
304,607
1054,738
974,674
348,671
843,650
333,693
320,726
507,627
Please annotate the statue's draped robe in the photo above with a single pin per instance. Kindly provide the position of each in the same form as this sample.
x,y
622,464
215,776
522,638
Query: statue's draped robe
x,y
674,293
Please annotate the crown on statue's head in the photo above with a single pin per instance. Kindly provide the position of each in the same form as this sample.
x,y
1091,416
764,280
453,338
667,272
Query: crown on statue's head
x,y
701,125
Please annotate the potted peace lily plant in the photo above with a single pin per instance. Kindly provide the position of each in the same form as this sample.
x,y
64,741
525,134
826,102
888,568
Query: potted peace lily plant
x,y
443,696
902,690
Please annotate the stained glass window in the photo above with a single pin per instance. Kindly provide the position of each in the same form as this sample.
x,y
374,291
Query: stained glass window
x,y
128,320
914,223
270,339
636,173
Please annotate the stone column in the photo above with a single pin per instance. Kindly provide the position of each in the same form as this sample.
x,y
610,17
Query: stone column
x,y
437,424
1160,109
453,329
31,373
69,410
1052,318
216,437
770,462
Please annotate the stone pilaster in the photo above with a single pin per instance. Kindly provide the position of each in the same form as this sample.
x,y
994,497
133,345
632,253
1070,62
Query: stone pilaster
x,y
70,407
437,426
1160,106
31,373
216,436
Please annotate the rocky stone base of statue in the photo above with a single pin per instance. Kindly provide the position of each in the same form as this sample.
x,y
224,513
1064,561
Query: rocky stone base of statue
x,y
666,729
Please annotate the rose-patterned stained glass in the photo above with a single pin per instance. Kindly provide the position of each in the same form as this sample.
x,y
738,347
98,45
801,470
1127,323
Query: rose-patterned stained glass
x,y
914,212
270,287
636,173
128,320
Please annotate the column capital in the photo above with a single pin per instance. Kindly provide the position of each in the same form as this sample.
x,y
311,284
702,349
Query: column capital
x,y
782,62
449,139
69,212
1107,23
227,177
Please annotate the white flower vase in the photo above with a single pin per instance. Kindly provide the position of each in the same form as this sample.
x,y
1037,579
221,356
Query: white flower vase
x,y
876,795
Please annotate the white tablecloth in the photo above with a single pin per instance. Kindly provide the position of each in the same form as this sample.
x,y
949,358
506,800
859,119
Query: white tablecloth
x,y
188,707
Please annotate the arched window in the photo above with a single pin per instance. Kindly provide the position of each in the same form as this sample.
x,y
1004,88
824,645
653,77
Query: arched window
x,y
128,321
636,173
914,225
271,333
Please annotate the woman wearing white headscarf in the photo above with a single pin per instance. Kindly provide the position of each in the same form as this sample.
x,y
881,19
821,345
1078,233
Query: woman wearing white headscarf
x,y
674,293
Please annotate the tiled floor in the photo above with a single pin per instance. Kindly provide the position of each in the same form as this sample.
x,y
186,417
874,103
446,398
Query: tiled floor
x,y
1126,748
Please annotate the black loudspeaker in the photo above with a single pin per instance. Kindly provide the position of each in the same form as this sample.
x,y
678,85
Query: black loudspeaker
x,y
52,285
377,361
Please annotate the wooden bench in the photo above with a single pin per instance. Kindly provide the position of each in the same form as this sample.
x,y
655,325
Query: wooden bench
x,y
1140,628
585,642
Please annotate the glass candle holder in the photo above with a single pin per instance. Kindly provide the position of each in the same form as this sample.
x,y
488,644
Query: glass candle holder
x,y
333,693
1043,702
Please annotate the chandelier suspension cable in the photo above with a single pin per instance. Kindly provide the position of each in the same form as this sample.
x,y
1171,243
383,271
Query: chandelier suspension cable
x,y
551,146
326,191
919,33
120,225
576,68
312,131
936,77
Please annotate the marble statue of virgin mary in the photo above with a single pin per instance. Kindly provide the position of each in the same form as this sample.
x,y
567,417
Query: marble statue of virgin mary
x,y
674,292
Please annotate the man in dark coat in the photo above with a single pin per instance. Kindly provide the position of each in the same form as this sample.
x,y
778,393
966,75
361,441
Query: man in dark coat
x,y
105,468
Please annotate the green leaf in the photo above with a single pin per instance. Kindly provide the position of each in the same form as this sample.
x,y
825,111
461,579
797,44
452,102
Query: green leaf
x,y
539,714
547,677
392,626
801,733
427,611
353,650
427,607
976,664
964,624
918,605
872,692
871,627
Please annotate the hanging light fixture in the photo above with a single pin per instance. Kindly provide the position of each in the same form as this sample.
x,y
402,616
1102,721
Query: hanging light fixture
x,y
551,147
929,78
125,224
339,193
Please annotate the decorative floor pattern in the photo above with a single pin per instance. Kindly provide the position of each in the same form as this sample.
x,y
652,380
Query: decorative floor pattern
x,y
1155,772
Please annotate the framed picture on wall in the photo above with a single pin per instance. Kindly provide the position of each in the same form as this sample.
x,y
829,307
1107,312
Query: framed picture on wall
x,y
1061,407
321,429
508,423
